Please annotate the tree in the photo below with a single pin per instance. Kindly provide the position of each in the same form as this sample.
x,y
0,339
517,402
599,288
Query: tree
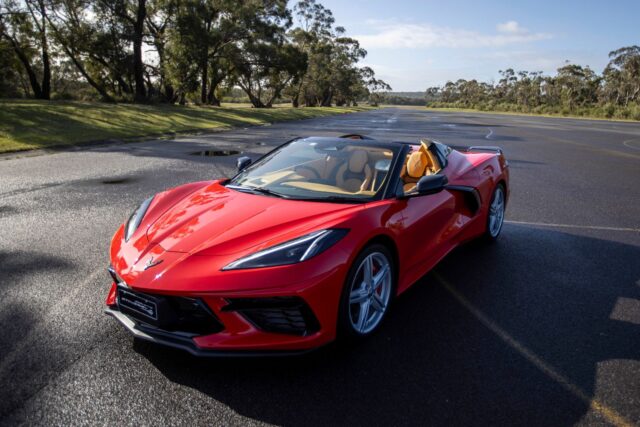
x,y
622,76
264,68
83,43
373,86
24,25
132,14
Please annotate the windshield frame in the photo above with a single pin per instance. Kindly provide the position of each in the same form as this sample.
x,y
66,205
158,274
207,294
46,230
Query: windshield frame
x,y
398,150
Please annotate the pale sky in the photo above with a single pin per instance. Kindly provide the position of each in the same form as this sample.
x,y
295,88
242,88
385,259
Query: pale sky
x,y
416,44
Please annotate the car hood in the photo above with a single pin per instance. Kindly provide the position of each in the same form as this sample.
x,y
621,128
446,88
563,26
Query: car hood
x,y
215,220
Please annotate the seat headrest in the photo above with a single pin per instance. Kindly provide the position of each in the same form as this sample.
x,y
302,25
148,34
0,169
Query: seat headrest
x,y
416,164
357,161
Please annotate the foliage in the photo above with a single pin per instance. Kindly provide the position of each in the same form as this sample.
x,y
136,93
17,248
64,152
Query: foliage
x,y
180,51
574,90
332,74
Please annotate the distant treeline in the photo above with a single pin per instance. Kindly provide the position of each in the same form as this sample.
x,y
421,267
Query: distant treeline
x,y
574,90
403,98
180,51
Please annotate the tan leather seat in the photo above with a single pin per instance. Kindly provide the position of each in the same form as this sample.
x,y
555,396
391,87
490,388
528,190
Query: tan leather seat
x,y
413,170
355,175
318,170
420,163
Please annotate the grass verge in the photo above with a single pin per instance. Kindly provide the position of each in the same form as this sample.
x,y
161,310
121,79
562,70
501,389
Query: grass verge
x,y
30,124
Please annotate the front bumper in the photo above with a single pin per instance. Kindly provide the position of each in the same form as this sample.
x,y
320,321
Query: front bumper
x,y
246,332
185,342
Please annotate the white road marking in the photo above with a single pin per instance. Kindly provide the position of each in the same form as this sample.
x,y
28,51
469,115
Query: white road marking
x,y
628,142
610,414
488,136
589,227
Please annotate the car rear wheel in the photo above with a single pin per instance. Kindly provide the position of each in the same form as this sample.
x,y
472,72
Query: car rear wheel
x,y
495,217
368,290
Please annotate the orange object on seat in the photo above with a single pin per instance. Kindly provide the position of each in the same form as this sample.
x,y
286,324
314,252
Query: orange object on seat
x,y
413,170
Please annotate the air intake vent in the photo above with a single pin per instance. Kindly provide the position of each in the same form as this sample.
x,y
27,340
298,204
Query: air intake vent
x,y
285,315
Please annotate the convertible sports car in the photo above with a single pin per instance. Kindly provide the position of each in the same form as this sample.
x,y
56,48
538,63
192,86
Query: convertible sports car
x,y
309,243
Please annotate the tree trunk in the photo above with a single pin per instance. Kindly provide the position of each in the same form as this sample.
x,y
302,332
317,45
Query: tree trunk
x,y
33,79
138,65
212,99
46,68
101,90
327,98
204,69
216,79
295,102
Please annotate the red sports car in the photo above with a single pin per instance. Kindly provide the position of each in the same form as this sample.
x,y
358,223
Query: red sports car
x,y
309,243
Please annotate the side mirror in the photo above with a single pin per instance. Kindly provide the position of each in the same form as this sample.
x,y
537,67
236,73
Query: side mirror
x,y
431,184
242,163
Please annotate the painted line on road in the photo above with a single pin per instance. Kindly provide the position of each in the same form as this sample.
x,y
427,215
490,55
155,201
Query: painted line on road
x,y
589,147
587,227
610,414
629,141
488,136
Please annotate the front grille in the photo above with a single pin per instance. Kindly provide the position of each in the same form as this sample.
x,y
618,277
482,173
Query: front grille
x,y
285,315
170,313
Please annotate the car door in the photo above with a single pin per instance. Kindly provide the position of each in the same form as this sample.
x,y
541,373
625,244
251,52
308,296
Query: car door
x,y
426,220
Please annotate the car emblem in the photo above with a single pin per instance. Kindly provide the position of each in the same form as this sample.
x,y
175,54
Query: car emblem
x,y
150,263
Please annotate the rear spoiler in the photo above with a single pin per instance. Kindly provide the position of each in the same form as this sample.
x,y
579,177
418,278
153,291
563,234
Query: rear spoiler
x,y
496,150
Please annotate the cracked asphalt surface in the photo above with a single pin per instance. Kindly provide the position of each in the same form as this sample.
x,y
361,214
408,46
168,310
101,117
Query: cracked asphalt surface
x,y
542,328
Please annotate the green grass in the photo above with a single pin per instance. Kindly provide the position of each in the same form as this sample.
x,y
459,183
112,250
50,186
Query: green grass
x,y
30,124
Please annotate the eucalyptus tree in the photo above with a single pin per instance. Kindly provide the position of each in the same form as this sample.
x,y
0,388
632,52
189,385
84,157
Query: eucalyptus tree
x,y
622,76
313,33
373,87
131,16
92,45
23,24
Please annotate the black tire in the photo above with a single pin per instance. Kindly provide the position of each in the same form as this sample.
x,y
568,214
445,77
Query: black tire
x,y
491,234
345,329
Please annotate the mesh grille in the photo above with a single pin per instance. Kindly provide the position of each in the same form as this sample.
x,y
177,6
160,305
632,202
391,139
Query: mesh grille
x,y
285,315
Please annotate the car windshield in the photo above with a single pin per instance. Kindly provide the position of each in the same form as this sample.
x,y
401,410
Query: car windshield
x,y
327,169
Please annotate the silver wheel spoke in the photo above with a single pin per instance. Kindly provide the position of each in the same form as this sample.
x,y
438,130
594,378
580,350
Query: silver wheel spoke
x,y
358,296
380,276
363,316
368,270
377,304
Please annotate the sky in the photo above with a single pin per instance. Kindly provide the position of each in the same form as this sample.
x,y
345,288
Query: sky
x,y
416,44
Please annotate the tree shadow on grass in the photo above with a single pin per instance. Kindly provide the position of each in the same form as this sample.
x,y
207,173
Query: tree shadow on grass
x,y
433,362
46,125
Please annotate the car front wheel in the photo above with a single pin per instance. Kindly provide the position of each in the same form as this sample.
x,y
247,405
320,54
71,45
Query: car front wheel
x,y
367,292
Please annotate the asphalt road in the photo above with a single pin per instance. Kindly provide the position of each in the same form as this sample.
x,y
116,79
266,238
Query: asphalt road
x,y
542,328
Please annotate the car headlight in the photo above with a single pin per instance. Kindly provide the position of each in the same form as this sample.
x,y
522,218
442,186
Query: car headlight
x,y
291,252
136,218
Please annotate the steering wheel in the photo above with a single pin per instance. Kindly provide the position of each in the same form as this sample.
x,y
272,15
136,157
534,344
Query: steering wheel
x,y
315,172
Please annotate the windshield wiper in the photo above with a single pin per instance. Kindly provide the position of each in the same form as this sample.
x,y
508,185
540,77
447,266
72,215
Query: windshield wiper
x,y
259,190
266,191
335,199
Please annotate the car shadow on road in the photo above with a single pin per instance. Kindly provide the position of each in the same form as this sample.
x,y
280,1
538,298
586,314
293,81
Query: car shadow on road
x,y
434,362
